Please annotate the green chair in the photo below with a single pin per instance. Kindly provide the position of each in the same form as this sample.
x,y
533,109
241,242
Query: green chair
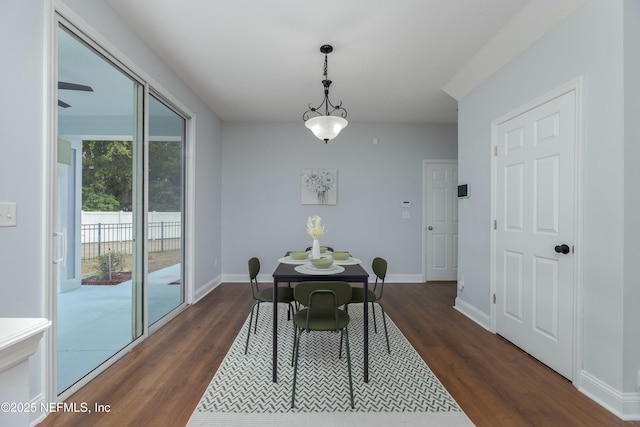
x,y
321,300
285,295
379,266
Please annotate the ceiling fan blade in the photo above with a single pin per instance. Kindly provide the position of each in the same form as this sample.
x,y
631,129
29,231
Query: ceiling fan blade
x,y
74,86
63,104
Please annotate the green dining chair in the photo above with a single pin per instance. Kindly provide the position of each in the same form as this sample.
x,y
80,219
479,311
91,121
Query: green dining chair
x,y
379,266
285,296
321,313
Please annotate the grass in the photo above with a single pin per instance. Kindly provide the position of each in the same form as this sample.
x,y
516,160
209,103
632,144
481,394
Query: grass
x,y
157,261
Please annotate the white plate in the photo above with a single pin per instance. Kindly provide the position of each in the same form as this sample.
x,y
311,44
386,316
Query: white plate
x,y
309,269
348,261
288,260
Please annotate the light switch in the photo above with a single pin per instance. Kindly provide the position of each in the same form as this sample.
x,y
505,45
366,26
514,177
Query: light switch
x,y
8,216
406,214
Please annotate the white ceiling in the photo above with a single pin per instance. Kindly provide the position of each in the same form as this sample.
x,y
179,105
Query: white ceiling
x,y
259,60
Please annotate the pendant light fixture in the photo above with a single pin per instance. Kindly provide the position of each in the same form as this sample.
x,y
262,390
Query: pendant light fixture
x,y
325,126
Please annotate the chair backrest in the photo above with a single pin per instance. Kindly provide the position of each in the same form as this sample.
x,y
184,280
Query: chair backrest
x,y
379,266
307,293
254,269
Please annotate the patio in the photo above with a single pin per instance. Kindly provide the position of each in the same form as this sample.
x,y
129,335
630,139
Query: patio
x,y
94,322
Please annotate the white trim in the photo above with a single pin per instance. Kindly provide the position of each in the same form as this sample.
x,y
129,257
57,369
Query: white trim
x,y
574,85
624,405
480,317
425,163
204,290
50,180
268,278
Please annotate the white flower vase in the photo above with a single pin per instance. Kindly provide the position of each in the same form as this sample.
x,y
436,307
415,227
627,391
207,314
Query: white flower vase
x,y
315,249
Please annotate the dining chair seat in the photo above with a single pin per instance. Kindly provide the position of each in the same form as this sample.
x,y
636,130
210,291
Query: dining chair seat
x,y
379,266
285,294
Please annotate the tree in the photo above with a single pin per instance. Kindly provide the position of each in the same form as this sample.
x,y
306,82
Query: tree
x,y
165,176
107,175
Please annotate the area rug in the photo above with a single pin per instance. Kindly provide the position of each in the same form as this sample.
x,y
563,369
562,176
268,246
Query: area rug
x,y
401,390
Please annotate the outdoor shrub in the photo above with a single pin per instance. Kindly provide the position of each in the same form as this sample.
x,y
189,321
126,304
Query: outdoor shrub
x,y
104,267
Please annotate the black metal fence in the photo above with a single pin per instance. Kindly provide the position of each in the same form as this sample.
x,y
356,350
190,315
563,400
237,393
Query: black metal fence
x,y
97,239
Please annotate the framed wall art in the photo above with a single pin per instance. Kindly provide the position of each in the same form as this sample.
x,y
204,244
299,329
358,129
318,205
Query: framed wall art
x,y
319,186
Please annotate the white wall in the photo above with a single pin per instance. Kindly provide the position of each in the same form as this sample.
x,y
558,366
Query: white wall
x,y
590,44
262,213
631,360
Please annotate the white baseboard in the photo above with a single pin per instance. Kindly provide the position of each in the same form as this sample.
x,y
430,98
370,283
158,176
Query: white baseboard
x,y
202,291
268,278
37,417
624,405
473,313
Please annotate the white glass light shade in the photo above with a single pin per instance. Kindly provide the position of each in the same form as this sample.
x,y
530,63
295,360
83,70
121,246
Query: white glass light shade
x,y
326,127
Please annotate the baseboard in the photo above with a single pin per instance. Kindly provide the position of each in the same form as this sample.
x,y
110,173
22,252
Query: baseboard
x,y
36,417
624,405
473,313
268,278
202,291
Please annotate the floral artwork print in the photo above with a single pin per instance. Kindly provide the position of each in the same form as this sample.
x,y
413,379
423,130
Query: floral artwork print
x,y
319,186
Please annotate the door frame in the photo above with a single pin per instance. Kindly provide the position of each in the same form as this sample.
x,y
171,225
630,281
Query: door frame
x,y
574,85
425,248
58,12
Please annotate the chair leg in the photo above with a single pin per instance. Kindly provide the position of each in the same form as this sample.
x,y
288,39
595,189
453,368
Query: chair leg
x,y
255,326
295,368
345,333
293,348
373,310
384,322
246,346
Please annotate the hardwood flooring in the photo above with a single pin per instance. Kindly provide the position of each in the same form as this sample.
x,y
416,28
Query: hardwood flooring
x,y
161,380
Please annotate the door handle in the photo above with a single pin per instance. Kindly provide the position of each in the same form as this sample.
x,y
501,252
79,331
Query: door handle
x,y
562,249
63,259
429,228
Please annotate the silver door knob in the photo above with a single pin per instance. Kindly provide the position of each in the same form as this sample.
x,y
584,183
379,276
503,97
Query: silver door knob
x,y
429,228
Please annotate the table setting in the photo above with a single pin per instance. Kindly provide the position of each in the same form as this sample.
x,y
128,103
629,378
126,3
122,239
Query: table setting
x,y
319,263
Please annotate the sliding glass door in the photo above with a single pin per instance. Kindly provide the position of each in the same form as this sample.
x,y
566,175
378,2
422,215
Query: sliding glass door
x,y
120,208
166,207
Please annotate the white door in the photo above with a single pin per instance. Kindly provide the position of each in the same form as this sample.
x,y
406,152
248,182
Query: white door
x,y
535,217
441,221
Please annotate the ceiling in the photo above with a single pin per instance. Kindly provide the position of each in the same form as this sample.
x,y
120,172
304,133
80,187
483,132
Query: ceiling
x,y
403,61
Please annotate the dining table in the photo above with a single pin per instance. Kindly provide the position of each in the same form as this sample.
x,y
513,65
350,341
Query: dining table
x,y
295,271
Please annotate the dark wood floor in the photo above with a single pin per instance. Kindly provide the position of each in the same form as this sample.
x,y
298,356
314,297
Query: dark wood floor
x,y
160,381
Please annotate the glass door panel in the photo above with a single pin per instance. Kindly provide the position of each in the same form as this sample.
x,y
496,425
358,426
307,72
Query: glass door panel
x,y
99,275
166,210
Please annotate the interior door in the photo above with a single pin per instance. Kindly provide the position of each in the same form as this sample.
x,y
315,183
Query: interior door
x,y
441,221
535,216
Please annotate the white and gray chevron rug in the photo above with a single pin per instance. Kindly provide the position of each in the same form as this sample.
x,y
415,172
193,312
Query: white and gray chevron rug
x,y
402,390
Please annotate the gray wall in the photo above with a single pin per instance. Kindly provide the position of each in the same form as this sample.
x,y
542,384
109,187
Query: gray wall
x,y
589,44
261,209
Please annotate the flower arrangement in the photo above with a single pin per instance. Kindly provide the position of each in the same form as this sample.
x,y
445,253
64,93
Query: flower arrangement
x,y
315,227
320,182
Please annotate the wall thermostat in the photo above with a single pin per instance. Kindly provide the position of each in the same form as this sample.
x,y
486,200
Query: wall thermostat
x,y
463,190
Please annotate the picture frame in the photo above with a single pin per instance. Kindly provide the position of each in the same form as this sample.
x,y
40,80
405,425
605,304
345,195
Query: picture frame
x,y
319,186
